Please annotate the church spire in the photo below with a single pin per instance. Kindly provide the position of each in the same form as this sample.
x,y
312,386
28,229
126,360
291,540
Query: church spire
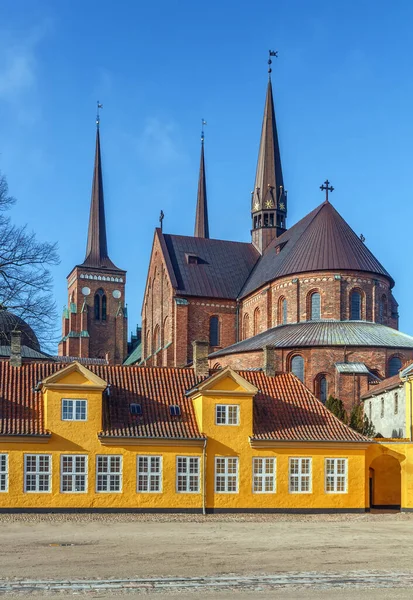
x,y
97,248
269,200
201,218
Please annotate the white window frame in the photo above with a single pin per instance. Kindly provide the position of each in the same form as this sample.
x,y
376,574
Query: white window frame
x,y
300,475
109,473
4,472
73,402
187,474
74,473
225,408
262,475
335,476
38,473
226,475
151,473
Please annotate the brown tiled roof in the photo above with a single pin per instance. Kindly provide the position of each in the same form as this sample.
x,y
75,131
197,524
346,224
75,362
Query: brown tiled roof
x,y
284,408
222,267
321,241
387,384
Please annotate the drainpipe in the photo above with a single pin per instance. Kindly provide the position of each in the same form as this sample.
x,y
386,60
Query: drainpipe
x,y
204,478
237,327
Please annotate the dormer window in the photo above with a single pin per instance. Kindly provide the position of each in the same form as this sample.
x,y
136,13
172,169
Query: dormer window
x,y
175,410
135,409
227,414
74,410
192,259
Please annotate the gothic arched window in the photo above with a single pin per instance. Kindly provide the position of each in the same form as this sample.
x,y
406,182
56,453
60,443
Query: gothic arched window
x,y
297,367
214,331
97,307
100,305
323,390
395,364
103,308
315,307
282,311
355,306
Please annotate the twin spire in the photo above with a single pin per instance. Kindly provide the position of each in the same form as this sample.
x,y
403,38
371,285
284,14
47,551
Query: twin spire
x,y
201,217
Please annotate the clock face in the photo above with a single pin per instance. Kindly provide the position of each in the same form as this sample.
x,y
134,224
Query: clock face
x,y
85,291
116,294
269,204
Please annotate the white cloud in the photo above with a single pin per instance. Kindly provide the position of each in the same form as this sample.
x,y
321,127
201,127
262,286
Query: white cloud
x,y
160,142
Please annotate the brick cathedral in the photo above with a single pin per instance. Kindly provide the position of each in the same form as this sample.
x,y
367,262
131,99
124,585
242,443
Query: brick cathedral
x,y
310,299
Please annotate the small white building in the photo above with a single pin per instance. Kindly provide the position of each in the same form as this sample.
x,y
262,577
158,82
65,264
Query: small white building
x,y
385,406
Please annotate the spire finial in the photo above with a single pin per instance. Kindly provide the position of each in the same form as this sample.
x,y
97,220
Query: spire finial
x,y
270,54
161,218
203,123
327,187
99,106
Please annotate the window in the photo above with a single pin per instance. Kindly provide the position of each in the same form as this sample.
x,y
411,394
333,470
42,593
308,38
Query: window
x,y
108,473
396,403
187,474
73,473
355,306
282,311
149,474
135,409
297,367
395,364
214,331
226,475
336,475
97,307
37,472
74,410
4,472
227,414
175,410
323,390
315,307
256,321
300,475
103,308
382,408
263,475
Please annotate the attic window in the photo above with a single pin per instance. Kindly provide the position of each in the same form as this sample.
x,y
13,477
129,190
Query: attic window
x,y
135,409
279,247
192,259
175,410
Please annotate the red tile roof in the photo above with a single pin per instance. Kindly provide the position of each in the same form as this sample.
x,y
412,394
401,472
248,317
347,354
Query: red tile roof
x,y
387,384
284,409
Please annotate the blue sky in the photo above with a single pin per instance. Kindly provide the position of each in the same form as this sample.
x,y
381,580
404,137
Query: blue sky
x,y
343,89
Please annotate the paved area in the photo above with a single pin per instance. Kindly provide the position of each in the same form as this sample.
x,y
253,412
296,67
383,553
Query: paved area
x,y
104,556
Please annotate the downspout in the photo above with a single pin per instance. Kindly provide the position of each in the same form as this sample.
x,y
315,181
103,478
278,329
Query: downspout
x,y
204,479
237,322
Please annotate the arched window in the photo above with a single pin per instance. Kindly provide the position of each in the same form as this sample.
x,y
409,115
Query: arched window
x,y
323,390
103,308
282,311
256,321
355,306
214,331
246,326
97,307
297,367
395,364
157,338
315,306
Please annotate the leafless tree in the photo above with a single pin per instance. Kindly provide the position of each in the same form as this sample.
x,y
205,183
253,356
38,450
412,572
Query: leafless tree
x,y
25,278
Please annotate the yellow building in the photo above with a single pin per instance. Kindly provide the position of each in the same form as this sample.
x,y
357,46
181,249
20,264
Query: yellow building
x,y
168,439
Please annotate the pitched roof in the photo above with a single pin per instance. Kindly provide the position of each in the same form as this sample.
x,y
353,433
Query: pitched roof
x,y
97,249
201,217
221,270
387,384
284,409
321,241
322,333
135,356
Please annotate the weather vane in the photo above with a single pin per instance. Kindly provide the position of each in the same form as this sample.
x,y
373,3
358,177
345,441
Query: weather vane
x,y
99,106
327,187
161,218
271,53
203,123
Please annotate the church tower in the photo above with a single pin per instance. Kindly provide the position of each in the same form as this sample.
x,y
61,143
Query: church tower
x,y
268,198
94,323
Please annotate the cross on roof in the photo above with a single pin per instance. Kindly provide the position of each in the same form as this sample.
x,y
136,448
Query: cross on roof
x,y
327,187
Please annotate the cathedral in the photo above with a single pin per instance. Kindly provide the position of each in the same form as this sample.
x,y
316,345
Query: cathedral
x,y
310,299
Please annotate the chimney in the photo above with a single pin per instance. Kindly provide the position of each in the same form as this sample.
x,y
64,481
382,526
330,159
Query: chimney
x,y
268,361
200,358
16,349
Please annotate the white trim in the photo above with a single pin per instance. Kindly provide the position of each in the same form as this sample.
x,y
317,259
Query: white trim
x,y
108,473
335,475
74,402
37,473
300,475
226,474
150,473
226,408
5,472
187,474
73,474
262,476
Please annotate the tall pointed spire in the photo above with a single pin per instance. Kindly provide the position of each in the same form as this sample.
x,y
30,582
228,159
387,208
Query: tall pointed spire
x,y
201,218
97,248
269,199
